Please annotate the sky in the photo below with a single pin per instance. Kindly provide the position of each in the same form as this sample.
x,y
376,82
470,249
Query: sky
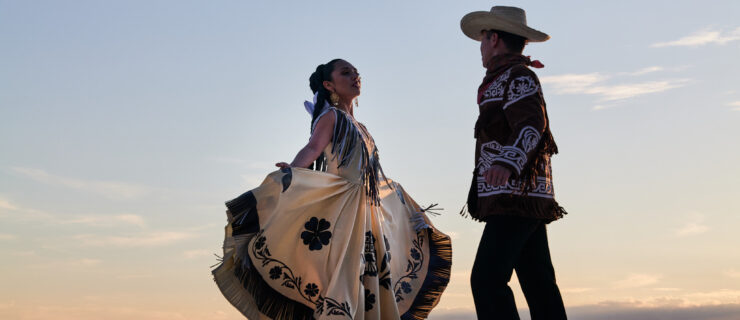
x,y
125,125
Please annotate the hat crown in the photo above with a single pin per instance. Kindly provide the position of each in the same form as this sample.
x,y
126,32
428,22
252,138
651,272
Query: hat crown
x,y
502,18
512,14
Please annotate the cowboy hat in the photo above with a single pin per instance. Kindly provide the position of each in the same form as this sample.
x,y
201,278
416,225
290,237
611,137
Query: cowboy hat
x,y
508,19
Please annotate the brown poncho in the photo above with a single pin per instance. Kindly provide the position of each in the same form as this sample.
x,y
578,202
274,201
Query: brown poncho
x,y
513,131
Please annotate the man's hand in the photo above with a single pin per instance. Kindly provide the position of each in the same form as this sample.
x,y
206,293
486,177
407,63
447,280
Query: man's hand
x,y
497,175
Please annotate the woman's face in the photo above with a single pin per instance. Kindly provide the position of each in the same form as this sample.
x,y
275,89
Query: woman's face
x,y
345,81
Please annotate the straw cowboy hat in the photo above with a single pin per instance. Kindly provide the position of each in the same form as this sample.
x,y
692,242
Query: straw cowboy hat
x,y
508,19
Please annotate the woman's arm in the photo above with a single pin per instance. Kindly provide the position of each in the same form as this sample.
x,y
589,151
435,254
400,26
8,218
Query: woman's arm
x,y
319,140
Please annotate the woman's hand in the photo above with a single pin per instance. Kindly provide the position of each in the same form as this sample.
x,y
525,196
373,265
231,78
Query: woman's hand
x,y
282,165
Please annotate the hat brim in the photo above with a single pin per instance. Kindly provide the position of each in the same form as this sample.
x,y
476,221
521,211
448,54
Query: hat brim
x,y
473,23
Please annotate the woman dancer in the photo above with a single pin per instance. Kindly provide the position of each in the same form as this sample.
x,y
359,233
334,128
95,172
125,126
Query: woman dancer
x,y
338,242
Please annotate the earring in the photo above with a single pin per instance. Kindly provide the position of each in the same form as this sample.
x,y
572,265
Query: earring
x,y
357,102
334,98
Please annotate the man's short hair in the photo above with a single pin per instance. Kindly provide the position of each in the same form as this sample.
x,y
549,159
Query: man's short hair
x,y
512,42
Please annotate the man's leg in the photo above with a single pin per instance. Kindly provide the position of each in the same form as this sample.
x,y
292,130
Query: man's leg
x,y
499,249
537,278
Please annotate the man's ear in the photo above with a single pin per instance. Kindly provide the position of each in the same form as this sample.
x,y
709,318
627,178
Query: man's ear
x,y
495,39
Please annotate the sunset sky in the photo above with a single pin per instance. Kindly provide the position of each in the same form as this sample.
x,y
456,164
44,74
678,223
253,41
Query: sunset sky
x,y
125,125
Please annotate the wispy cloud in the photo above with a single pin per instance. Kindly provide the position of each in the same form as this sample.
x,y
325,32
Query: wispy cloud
x,y
5,236
733,273
643,71
576,290
716,297
69,264
108,189
16,211
693,226
640,312
153,239
595,84
110,306
735,104
134,276
28,253
702,37
680,299
667,289
637,280
573,83
624,91
106,220
92,220
6,205
193,254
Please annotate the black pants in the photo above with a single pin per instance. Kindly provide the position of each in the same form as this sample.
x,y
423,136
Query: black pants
x,y
514,243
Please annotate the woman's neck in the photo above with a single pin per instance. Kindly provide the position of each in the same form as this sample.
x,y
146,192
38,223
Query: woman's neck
x,y
348,108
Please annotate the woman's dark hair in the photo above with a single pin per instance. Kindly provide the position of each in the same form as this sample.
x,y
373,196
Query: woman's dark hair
x,y
513,42
316,82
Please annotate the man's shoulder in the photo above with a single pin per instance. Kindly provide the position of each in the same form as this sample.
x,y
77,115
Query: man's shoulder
x,y
521,70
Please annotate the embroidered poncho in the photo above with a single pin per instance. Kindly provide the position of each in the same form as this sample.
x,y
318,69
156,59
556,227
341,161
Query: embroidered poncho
x,y
513,131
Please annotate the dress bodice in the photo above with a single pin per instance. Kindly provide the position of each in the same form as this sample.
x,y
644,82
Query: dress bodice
x,y
352,153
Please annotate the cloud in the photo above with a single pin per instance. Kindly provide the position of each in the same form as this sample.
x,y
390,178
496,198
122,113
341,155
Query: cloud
x,y
691,229
644,71
92,220
117,309
733,274
716,297
735,104
594,84
702,37
624,91
5,204
134,276
637,280
5,236
192,254
679,300
573,83
21,213
619,312
107,220
29,253
7,305
69,264
153,239
108,189
601,107
636,312
693,226
576,290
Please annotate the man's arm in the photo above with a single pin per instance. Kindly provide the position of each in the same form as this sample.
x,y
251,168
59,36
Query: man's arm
x,y
525,112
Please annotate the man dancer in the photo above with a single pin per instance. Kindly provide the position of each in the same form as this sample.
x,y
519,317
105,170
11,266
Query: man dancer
x,y
512,184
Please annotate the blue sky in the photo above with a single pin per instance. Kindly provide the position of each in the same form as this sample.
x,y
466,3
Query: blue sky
x,y
125,125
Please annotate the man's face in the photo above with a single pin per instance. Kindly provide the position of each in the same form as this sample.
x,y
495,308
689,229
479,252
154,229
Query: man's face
x,y
487,46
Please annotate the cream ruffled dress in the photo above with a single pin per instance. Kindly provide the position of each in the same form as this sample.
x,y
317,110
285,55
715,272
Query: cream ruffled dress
x,y
342,242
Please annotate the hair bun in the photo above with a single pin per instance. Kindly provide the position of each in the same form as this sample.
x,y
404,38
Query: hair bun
x,y
316,80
